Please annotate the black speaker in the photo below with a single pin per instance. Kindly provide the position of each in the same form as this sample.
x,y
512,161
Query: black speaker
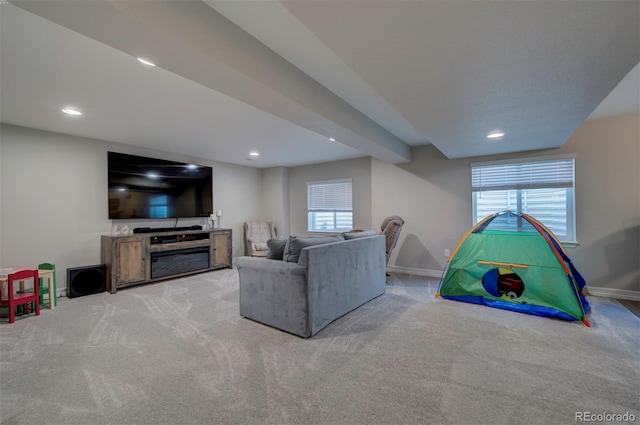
x,y
88,280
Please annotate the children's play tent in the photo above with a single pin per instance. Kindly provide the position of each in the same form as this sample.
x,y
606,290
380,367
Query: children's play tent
x,y
513,262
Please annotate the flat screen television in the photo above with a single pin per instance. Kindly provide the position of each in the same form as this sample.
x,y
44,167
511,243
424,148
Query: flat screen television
x,y
149,188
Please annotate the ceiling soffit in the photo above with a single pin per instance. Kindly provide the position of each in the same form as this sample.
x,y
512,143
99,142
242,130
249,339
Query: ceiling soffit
x,y
192,40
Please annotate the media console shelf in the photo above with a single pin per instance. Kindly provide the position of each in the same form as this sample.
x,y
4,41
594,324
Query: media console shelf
x,y
150,257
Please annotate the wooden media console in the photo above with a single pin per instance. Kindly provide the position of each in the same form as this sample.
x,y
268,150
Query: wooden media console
x,y
150,257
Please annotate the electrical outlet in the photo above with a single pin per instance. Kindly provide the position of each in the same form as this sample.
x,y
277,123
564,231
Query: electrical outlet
x,y
447,253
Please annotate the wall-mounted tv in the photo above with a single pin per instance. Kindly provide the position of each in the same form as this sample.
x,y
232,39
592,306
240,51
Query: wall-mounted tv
x,y
150,188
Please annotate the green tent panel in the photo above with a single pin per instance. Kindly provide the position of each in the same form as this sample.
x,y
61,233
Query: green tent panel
x,y
513,262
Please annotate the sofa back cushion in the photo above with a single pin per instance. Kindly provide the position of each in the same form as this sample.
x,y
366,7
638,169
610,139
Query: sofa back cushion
x,y
296,243
276,248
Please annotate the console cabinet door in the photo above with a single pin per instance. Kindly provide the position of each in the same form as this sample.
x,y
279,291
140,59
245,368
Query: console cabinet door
x,y
222,248
130,260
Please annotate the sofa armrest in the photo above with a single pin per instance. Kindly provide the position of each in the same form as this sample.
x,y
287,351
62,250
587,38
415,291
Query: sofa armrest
x,y
274,292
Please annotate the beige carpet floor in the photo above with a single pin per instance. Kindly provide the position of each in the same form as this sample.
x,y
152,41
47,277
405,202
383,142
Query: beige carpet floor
x,y
177,352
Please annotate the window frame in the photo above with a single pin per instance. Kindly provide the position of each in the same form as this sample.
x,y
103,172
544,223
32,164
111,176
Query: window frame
x,y
571,238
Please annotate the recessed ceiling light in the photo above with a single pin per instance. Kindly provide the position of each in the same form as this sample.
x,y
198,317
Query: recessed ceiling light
x,y
192,167
331,139
495,135
254,154
152,175
71,111
146,62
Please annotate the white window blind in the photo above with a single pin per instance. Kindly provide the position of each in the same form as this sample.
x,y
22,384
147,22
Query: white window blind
x,y
542,188
523,175
329,206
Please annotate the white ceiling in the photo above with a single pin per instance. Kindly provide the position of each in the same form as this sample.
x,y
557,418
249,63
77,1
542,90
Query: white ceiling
x,y
379,76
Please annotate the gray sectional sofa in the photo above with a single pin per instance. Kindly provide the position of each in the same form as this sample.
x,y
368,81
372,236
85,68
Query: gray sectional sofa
x,y
327,281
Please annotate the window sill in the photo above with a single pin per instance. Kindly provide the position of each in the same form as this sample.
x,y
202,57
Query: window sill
x,y
570,244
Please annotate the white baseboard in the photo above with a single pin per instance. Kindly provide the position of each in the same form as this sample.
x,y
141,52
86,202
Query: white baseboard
x,y
415,271
622,294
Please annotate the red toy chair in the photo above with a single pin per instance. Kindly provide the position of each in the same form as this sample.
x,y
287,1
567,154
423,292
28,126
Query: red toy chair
x,y
12,298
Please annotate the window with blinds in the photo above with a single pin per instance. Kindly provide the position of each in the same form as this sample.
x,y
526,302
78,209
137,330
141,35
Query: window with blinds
x,y
329,206
542,188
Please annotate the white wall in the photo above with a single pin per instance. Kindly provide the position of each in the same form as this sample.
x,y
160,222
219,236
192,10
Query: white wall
x,y
359,170
54,198
236,191
608,202
275,198
433,195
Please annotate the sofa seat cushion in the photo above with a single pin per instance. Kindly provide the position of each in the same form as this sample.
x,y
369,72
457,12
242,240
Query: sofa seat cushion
x,y
296,243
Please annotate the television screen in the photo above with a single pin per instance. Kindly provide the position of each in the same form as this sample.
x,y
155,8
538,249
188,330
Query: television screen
x,y
142,187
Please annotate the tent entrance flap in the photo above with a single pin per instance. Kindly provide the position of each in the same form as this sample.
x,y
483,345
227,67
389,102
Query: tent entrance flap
x,y
503,283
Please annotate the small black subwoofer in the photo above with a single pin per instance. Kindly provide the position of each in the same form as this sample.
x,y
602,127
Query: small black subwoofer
x,y
89,280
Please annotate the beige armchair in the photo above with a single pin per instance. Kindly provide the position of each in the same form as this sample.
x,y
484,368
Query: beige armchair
x,y
390,228
256,235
